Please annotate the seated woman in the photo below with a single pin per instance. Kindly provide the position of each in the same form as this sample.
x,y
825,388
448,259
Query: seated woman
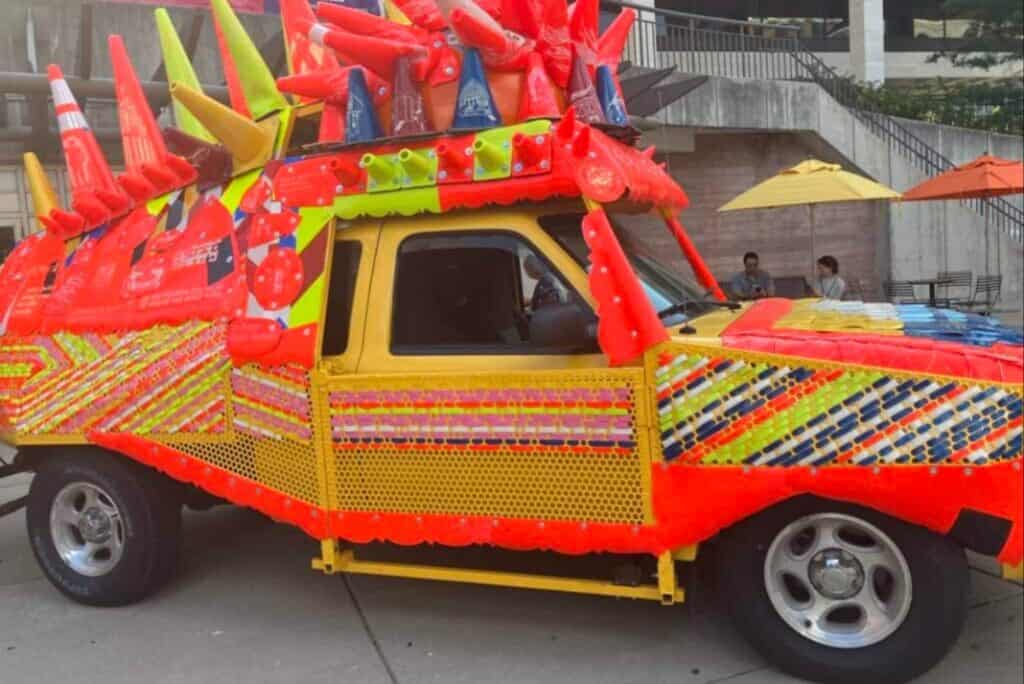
x,y
827,284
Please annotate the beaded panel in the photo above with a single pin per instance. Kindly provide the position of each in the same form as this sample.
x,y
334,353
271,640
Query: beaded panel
x,y
550,445
724,408
159,381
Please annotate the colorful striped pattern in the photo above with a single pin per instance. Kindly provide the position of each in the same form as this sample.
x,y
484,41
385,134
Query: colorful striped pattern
x,y
164,380
272,403
718,410
585,419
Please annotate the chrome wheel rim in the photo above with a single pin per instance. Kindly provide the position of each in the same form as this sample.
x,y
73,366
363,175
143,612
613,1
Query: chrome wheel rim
x,y
87,529
838,580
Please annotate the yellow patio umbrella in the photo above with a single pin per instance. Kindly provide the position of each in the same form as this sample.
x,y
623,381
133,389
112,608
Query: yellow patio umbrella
x,y
810,182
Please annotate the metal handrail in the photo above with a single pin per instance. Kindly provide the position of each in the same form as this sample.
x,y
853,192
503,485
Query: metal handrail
x,y
697,17
712,46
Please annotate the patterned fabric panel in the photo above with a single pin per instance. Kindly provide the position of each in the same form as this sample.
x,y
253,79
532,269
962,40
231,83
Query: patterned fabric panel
x,y
272,402
164,380
584,419
718,410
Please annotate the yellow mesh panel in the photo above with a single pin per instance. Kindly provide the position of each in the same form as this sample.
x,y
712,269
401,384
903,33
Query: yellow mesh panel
x,y
284,465
551,445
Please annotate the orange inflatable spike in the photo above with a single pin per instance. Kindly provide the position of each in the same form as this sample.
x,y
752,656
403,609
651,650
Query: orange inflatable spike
x,y
581,145
529,150
236,93
366,24
95,194
376,54
538,99
423,13
151,169
613,40
583,28
567,126
649,152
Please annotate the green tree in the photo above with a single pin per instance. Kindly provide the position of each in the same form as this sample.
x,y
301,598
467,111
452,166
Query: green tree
x,y
995,35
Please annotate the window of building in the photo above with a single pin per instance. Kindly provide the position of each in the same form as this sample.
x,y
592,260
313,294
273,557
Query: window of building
x,y
338,322
7,241
488,292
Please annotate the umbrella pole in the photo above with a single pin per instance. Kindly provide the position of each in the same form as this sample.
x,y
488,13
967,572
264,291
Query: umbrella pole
x,y
811,213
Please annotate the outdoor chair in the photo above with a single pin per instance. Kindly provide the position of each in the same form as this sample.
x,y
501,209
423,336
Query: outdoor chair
x,y
954,279
987,291
900,292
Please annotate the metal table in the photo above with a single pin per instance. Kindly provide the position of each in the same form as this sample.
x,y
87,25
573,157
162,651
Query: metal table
x,y
931,283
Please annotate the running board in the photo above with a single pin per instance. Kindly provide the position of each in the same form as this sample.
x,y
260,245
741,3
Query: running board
x,y
667,591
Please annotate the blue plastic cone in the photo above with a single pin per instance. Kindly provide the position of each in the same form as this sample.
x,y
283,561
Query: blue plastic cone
x,y
611,101
361,122
474,107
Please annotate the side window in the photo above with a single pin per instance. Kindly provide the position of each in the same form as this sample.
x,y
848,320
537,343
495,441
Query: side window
x,y
344,268
484,293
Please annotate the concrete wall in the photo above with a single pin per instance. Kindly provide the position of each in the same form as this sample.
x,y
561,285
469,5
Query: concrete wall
x,y
924,237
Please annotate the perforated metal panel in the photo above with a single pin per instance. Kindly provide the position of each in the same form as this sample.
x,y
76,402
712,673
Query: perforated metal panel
x,y
548,445
283,465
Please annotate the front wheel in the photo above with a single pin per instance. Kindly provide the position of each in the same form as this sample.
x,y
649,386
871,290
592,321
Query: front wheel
x,y
836,593
104,530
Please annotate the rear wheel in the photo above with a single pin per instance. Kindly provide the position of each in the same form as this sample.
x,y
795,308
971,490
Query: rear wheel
x,y
105,531
837,593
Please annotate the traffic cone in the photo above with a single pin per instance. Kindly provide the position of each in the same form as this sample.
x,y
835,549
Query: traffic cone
x,y
151,169
96,196
303,55
612,42
392,12
538,99
582,94
408,113
212,161
361,122
245,139
376,54
44,197
236,94
426,15
179,69
366,24
554,44
331,85
261,94
583,28
474,105
611,101
500,48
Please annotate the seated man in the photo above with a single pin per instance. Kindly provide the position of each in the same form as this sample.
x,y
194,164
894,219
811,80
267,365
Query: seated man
x,y
751,282
545,292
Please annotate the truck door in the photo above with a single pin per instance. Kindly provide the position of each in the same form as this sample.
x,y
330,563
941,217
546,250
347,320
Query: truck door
x,y
480,390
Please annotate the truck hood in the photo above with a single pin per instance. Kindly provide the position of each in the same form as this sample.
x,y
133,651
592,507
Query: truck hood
x,y
908,337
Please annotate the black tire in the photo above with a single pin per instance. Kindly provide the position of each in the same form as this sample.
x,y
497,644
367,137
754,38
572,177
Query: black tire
x,y
150,510
938,605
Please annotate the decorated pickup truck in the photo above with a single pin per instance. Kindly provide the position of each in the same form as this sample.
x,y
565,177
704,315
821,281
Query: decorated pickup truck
x,y
396,297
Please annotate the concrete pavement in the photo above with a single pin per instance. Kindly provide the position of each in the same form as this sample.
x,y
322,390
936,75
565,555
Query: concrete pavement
x,y
246,608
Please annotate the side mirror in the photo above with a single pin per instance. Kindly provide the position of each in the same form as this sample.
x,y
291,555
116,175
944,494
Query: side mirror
x,y
563,326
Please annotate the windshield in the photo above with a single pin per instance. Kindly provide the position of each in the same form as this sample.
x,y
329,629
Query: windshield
x,y
663,285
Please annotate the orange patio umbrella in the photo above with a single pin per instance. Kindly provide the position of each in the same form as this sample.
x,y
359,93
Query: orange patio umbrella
x,y
987,176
